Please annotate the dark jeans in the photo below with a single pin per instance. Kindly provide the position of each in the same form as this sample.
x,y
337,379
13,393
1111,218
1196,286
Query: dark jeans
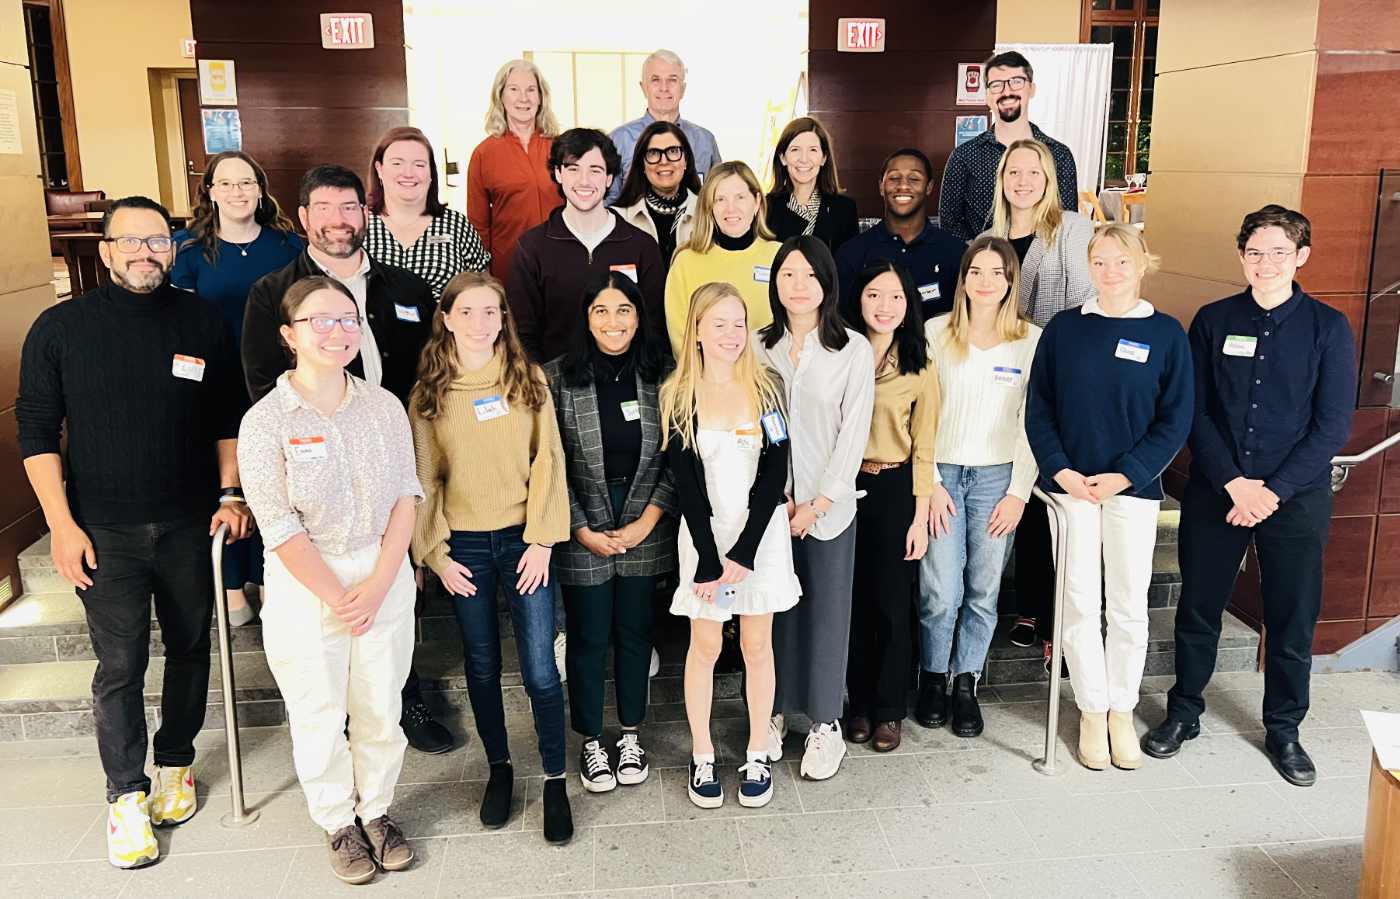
x,y
1289,545
877,674
620,609
491,556
1035,568
243,562
169,560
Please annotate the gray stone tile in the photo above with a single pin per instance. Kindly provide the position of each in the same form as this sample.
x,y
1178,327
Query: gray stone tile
x,y
1108,824
930,883
1234,711
1155,774
868,782
63,747
266,754
22,650
1336,806
678,806
257,872
638,893
1227,759
636,804
1326,869
1204,817
53,781
986,775
11,729
914,738
310,876
1098,876
638,855
720,709
58,725
782,888
822,843
67,880
956,834
450,809
1339,751
515,864
49,835
1239,872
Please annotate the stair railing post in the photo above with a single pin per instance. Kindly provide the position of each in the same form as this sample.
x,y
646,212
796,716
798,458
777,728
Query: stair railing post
x,y
1046,763
238,815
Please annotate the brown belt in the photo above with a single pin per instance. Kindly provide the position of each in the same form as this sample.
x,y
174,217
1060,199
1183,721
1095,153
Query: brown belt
x,y
877,467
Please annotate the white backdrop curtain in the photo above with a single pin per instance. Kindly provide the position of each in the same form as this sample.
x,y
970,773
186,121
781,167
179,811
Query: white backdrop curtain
x,y
1071,100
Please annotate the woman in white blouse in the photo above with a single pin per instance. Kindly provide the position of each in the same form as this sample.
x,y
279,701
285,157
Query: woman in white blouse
x,y
829,372
983,350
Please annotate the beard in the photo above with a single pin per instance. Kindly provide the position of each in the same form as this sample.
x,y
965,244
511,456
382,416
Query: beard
x,y
140,281
338,246
1010,113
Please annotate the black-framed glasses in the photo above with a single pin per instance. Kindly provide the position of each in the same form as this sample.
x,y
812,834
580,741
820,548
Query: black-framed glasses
x,y
673,154
156,244
1015,82
322,324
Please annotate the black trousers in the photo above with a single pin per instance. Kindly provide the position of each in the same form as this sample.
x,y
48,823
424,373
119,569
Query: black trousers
x,y
1289,545
1035,568
877,673
135,561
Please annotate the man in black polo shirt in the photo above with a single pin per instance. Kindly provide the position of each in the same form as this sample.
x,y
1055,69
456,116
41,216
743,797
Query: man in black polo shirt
x,y
1275,392
905,235
397,305
145,379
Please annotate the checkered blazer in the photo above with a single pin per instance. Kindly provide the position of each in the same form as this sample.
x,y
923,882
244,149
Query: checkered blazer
x,y
589,504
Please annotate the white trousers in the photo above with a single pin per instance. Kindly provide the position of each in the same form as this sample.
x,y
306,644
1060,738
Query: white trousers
x,y
1112,541
326,675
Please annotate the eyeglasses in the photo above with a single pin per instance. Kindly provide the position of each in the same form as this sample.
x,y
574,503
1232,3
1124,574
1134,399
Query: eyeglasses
x,y
1015,82
673,154
247,185
322,324
1254,257
347,210
157,244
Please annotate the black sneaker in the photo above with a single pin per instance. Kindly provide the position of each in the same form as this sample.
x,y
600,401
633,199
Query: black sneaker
x,y
594,769
703,786
1022,633
756,789
632,766
423,731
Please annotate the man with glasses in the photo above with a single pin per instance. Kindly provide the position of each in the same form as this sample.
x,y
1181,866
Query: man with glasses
x,y
397,309
970,178
1275,391
663,84
144,378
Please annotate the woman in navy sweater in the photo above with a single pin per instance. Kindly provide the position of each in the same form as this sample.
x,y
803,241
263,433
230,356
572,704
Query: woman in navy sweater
x,y
1109,406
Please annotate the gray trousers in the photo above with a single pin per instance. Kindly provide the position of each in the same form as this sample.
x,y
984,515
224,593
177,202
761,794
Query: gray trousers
x,y
811,640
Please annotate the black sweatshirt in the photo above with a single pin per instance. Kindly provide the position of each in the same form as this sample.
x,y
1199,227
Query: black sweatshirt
x,y
141,440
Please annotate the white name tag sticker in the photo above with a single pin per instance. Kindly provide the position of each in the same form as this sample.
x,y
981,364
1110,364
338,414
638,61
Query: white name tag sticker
x,y
437,240
762,273
191,368
1132,350
407,313
1240,345
306,449
748,438
1006,376
631,411
774,426
489,407
929,292
630,270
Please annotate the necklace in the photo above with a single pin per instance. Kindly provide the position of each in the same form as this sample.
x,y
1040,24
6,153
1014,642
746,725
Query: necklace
x,y
243,247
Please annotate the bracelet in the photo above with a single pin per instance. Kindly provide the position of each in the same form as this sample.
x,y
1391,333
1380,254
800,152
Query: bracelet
x,y
232,498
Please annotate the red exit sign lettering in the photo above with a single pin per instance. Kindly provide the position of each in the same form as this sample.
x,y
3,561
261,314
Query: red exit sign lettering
x,y
347,31
860,35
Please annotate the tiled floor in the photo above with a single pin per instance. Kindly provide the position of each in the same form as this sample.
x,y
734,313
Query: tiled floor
x,y
940,817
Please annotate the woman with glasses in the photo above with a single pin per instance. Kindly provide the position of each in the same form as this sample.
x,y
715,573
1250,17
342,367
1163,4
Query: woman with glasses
x,y
662,188
806,197
236,235
327,465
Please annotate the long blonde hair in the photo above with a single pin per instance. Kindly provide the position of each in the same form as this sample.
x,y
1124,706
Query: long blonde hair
x,y
1047,213
679,404
703,237
1009,323
546,125
522,382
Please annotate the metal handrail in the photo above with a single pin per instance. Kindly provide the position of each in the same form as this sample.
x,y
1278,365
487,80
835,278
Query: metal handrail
x,y
1342,465
1046,763
239,815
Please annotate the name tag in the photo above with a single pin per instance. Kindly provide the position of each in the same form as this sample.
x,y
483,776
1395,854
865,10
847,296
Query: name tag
x,y
191,368
437,240
306,449
631,411
929,292
1240,345
407,313
762,273
748,438
489,407
630,270
774,426
1132,351
1006,377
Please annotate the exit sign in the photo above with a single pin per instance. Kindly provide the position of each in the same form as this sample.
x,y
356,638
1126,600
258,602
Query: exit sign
x,y
347,31
860,35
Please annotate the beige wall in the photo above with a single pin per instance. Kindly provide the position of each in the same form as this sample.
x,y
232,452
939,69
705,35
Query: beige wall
x,y
110,53
1038,21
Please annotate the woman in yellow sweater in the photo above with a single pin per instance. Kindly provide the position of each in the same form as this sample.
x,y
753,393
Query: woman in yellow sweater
x,y
730,244
492,468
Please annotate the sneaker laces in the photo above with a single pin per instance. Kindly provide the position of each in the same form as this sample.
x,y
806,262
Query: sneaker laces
x,y
389,830
417,713
817,739
704,773
348,842
595,757
629,751
756,770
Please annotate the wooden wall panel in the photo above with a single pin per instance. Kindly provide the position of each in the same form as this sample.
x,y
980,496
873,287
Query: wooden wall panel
x,y
1197,34
1347,85
1342,210
1385,572
1331,636
1358,25
1390,471
1346,568
17,312
1361,495
277,21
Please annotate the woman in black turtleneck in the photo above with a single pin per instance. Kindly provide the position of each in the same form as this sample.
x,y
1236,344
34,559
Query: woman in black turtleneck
x,y
622,518
661,188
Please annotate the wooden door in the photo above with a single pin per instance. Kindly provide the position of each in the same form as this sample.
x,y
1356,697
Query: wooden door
x,y
192,130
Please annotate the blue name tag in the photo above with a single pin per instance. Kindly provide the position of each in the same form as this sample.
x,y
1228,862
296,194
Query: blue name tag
x,y
1006,376
774,427
1132,351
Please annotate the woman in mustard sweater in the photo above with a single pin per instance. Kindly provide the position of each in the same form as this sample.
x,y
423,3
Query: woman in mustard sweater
x,y
492,468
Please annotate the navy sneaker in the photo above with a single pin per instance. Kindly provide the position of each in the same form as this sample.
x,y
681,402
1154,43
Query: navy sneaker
x,y
704,788
756,788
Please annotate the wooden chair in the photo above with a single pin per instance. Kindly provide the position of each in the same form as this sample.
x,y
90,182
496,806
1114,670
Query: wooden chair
x,y
85,269
1089,205
1131,199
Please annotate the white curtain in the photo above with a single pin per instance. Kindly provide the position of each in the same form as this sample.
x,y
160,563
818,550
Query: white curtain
x,y
1071,100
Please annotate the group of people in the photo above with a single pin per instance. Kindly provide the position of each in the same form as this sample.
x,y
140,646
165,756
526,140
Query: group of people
x,y
826,434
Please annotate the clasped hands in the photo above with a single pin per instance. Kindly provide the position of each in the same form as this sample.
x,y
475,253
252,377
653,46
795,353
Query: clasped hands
x,y
1094,488
1253,502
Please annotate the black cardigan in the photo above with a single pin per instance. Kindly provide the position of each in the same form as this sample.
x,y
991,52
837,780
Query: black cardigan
x,y
836,223
769,490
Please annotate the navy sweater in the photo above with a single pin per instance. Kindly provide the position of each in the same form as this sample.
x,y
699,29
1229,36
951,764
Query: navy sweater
x,y
1093,412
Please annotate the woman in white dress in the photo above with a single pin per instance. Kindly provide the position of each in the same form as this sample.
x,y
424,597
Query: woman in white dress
x,y
727,449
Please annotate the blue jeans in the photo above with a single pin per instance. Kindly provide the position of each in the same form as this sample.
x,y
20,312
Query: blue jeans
x,y
960,575
491,556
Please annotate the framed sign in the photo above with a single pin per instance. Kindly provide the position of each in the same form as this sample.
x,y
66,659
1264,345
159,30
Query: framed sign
x,y
218,86
971,90
967,127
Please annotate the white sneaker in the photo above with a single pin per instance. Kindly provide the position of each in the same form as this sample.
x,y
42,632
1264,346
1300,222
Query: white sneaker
x,y
777,730
130,840
824,751
655,663
560,648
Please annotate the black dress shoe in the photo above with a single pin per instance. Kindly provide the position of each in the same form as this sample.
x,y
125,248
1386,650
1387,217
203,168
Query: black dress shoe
x,y
1292,762
423,731
967,716
932,707
858,729
1164,740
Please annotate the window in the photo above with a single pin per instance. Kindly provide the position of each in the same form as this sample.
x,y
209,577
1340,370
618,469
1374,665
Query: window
x,y
53,98
1131,27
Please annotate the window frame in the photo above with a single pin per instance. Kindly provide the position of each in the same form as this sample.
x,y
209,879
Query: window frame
x,y
1140,20
67,112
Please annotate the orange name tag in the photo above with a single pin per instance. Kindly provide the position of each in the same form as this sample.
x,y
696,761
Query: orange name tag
x,y
306,449
749,438
191,368
630,270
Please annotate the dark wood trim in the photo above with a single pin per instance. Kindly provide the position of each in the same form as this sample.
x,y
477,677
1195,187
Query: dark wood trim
x,y
67,111
1139,19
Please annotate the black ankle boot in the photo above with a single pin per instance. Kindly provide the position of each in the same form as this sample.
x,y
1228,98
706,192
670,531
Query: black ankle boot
x,y
558,817
495,803
967,716
932,707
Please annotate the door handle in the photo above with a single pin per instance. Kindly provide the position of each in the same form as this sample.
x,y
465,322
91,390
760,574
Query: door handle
x,y
1384,377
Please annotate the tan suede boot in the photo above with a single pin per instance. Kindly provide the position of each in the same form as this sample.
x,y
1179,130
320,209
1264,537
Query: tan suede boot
x,y
1123,741
1093,740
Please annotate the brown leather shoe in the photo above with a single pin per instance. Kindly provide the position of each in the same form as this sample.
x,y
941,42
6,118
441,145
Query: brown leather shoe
x,y
886,736
858,729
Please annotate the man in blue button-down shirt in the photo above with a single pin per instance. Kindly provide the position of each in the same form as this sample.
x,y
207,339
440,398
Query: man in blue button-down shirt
x,y
663,83
1275,392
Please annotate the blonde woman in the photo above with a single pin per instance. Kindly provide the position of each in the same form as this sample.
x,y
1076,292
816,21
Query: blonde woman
x,y
1110,405
983,351
727,450
509,186
806,197
730,244
495,503
1052,246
